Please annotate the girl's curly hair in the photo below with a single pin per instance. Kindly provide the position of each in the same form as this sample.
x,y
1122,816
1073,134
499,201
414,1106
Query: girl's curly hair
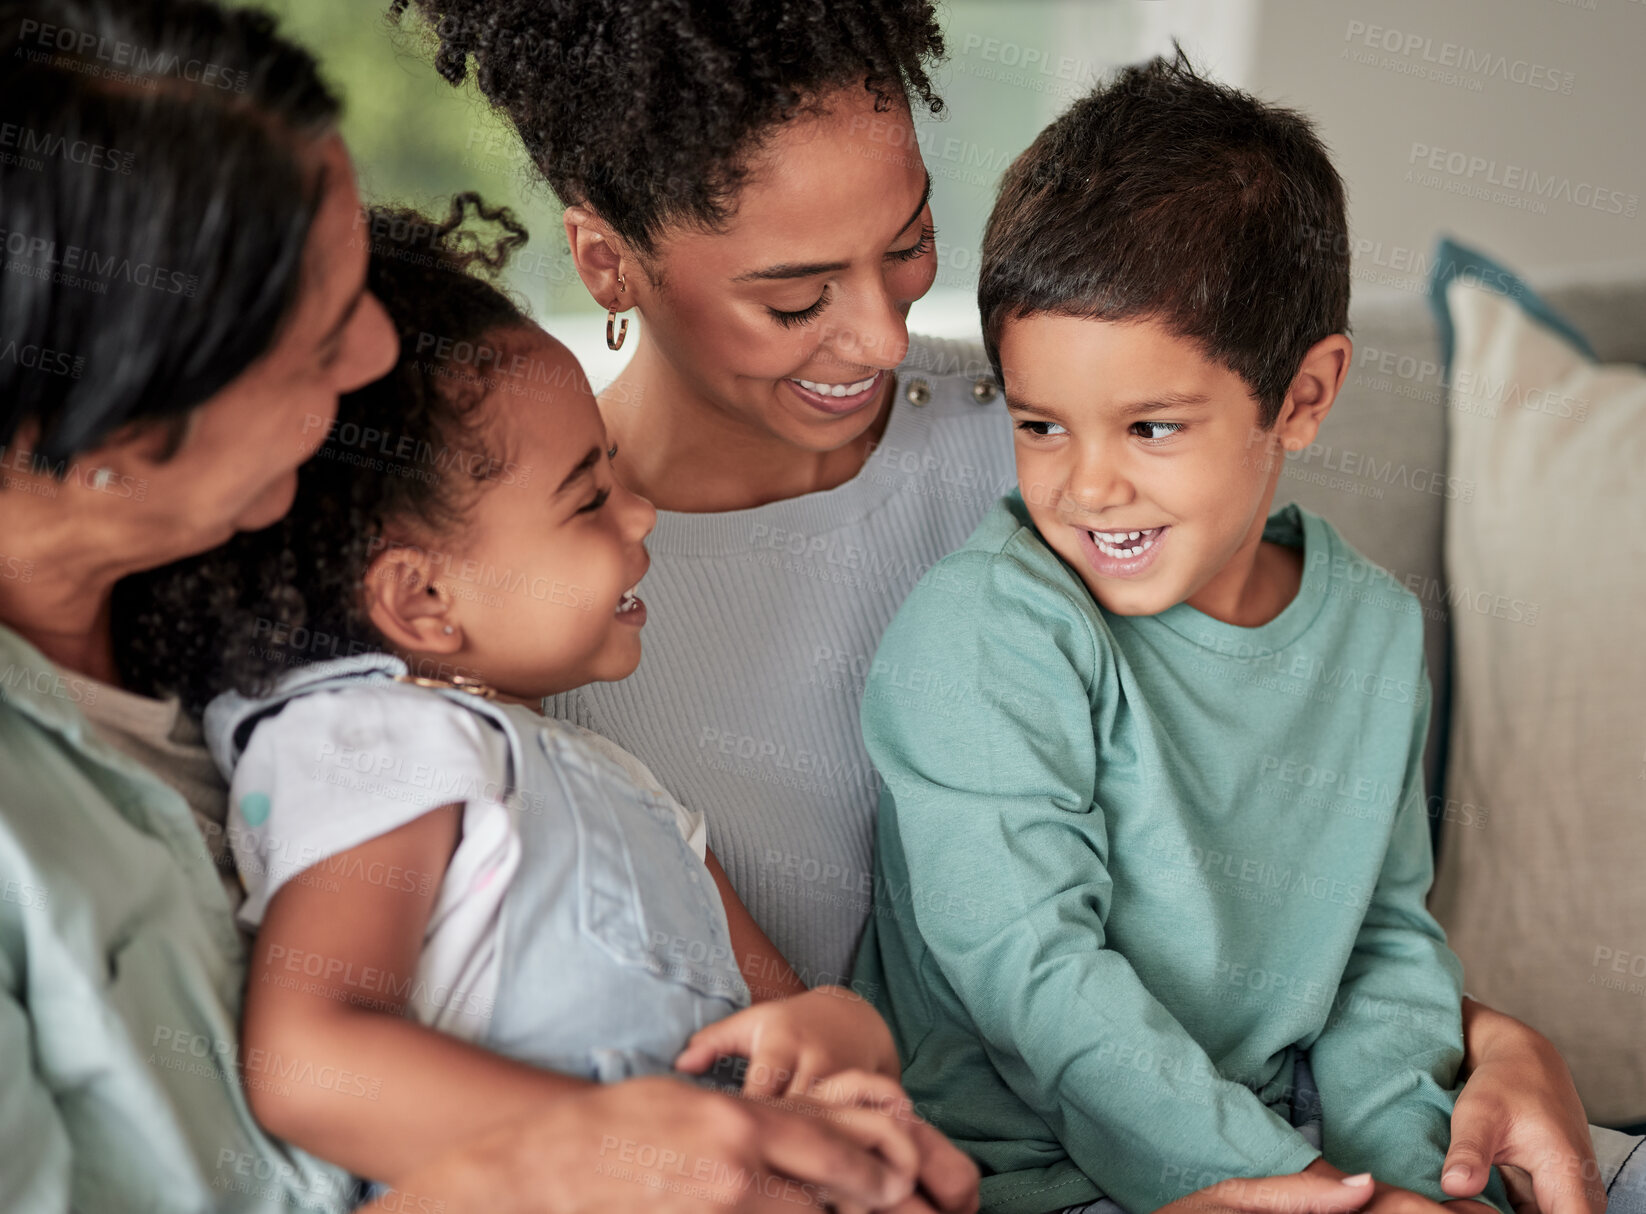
x,y
406,454
647,110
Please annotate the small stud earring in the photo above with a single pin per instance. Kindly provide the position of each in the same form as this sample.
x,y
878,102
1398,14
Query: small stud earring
x,y
450,630
101,478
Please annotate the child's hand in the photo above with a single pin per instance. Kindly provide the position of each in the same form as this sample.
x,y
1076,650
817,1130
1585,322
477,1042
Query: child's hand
x,y
791,1043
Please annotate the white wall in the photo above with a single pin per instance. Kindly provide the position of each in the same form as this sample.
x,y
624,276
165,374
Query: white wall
x,y
1219,35
1518,126
1489,117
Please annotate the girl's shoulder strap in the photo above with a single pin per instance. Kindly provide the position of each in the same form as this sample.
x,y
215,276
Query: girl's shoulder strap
x,y
231,717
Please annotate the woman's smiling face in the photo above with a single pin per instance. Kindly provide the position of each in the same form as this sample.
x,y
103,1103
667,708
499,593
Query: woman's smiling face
x,y
790,317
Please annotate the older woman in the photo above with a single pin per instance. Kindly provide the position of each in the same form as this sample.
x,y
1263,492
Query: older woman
x,y
746,180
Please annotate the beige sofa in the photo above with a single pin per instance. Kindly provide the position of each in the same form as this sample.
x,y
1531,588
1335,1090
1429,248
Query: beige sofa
x,y
1380,473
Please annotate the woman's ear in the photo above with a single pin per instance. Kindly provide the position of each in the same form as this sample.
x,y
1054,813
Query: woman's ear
x,y
121,460
406,605
600,259
1318,380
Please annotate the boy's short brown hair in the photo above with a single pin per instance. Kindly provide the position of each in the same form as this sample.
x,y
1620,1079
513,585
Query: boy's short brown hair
x,y
1165,196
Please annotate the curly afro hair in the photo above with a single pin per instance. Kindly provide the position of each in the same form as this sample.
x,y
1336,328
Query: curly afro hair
x,y
647,110
406,456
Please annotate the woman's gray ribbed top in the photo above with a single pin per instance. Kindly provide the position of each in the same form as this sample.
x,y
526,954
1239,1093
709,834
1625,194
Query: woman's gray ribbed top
x,y
761,625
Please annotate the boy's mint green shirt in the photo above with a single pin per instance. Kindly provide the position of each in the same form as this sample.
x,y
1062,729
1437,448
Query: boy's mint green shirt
x,y
120,981
1127,867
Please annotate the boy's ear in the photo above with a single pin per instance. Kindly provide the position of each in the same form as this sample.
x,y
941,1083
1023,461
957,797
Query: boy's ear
x,y
404,602
600,258
1318,380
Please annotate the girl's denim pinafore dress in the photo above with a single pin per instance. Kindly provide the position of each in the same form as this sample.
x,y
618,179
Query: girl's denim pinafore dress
x,y
615,948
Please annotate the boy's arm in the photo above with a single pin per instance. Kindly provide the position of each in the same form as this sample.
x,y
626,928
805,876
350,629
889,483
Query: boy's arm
x,y
330,1062
978,716
1387,1061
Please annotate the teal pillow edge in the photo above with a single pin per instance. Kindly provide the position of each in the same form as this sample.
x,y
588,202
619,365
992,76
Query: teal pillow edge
x,y
1453,261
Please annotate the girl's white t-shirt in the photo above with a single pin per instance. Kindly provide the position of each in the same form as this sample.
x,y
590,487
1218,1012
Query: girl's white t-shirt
x,y
334,770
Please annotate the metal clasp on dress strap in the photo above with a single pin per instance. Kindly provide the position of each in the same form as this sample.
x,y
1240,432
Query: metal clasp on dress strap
x,y
458,682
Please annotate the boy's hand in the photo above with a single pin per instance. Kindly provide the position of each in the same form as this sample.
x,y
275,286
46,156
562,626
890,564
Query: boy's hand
x,y
791,1043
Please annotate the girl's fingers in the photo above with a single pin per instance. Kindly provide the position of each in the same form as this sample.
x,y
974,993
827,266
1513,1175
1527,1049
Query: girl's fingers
x,y
694,1060
731,1036
865,1089
769,1071
806,1073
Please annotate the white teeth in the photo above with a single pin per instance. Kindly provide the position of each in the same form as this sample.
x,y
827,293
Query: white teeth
x,y
628,602
1121,537
862,385
1118,543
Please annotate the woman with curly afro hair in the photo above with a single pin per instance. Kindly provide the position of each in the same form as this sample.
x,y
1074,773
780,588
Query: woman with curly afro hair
x,y
746,196
744,191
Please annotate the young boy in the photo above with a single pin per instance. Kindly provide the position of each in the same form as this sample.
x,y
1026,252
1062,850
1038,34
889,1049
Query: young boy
x,y
1153,826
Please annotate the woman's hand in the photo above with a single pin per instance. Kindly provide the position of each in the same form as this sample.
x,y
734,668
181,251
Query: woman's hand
x,y
664,1147
1392,1199
1305,1192
946,1178
791,1043
1519,1110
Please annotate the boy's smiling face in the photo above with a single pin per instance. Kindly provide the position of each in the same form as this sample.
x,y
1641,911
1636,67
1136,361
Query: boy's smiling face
x,y
1122,427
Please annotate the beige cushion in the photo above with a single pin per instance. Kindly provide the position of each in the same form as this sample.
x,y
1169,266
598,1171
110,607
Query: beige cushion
x,y
1542,880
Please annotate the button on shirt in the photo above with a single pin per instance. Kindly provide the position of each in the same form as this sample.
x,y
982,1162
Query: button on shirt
x,y
120,979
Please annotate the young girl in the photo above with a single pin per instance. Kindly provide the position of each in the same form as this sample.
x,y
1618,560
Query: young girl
x,y
445,884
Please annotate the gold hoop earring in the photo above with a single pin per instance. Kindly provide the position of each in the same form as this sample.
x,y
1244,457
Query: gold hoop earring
x,y
614,340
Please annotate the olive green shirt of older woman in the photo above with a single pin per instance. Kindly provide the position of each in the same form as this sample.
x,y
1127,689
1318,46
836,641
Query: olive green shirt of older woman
x,y
120,975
